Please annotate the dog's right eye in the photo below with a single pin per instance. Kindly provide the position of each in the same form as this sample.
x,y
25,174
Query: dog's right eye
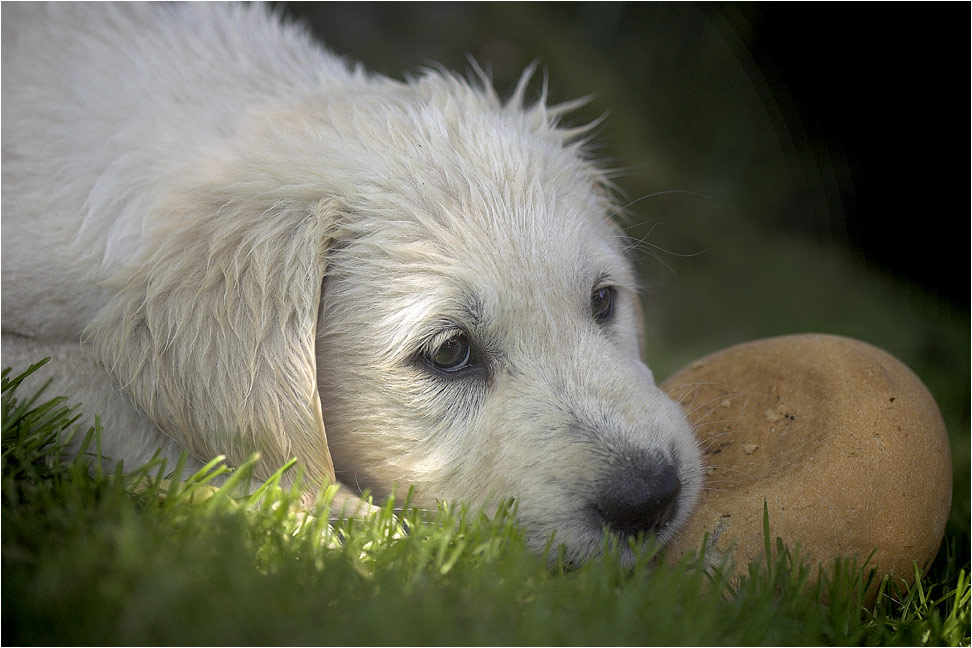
x,y
453,354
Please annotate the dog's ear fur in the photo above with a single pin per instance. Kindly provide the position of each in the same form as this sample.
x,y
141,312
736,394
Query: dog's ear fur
x,y
212,330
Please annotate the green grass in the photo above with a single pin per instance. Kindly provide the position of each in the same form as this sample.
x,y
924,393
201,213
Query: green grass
x,y
131,559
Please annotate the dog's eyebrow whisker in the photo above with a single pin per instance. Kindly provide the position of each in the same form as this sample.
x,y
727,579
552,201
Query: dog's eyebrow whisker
x,y
656,194
642,243
654,250
643,240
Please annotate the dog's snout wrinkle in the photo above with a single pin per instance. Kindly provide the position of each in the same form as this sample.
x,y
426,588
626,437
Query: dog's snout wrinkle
x,y
640,498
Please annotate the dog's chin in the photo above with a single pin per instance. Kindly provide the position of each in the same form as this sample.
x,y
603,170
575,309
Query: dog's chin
x,y
600,544
590,539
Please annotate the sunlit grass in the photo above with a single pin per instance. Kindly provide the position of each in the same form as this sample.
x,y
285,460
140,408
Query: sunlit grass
x,y
155,556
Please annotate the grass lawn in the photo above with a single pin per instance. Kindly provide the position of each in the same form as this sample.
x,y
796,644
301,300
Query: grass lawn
x,y
106,559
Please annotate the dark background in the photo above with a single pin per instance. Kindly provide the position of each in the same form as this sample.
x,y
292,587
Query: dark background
x,y
792,167
886,88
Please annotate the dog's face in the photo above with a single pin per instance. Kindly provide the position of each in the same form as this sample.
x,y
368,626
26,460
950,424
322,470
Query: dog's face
x,y
478,334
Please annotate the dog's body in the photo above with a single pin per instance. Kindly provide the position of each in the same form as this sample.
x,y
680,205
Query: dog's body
x,y
255,240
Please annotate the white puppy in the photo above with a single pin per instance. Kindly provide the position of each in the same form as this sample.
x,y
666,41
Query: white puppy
x,y
253,241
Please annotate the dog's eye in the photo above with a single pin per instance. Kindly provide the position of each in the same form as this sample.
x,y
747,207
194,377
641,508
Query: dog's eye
x,y
453,354
602,304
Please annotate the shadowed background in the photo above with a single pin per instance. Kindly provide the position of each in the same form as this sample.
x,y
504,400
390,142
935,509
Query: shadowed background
x,y
790,168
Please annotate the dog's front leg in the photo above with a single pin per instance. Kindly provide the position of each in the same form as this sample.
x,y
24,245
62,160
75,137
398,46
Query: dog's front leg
x,y
76,375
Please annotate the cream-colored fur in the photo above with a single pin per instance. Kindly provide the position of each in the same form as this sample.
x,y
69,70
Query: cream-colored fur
x,y
231,240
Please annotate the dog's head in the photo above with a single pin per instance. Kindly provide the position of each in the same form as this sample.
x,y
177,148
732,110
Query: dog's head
x,y
479,330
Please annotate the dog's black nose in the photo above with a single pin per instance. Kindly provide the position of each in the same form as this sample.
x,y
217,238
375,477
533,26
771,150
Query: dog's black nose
x,y
640,498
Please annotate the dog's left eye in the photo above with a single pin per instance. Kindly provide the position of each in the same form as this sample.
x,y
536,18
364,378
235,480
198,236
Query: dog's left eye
x,y
602,304
453,354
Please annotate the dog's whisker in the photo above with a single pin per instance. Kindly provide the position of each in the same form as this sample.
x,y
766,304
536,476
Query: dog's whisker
x,y
688,389
709,438
722,400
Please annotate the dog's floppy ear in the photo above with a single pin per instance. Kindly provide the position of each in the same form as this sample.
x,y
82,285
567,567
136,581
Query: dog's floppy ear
x,y
212,331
